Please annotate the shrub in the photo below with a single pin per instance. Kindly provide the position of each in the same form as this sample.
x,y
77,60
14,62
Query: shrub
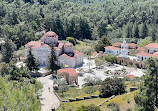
x,y
91,107
110,58
112,86
90,90
129,109
71,39
103,42
113,107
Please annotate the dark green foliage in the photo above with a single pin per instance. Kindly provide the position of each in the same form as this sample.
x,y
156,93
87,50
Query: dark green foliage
x,y
147,97
53,60
112,86
31,62
14,72
103,42
91,107
71,39
20,20
110,58
8,50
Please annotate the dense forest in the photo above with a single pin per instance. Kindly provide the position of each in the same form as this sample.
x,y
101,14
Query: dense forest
x,y
20,20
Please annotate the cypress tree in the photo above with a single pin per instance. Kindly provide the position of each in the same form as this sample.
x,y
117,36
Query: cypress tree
x,y
53,60
31,62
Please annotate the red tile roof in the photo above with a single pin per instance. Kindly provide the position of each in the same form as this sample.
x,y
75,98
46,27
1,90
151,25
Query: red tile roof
x,y
117,44
130,76
70,71
152,45
141,49
36,44
68,45
155,54
68,57
144,54
112,48
50,33
132,45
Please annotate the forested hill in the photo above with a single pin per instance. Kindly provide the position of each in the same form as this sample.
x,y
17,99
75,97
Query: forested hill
x,y
21,19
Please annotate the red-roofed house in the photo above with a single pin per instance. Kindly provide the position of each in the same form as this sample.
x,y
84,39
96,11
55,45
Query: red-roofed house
x,y
143,56
70,75
152,48
130,76
112,50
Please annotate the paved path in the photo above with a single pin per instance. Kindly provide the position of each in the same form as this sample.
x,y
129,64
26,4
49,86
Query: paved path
x,y
48,98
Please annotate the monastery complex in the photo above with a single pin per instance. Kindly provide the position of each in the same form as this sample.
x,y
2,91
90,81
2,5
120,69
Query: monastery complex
x,y
64,51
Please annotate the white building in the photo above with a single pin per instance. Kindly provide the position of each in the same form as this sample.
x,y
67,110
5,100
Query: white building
x,y
64,51
143,56
112,50
152,48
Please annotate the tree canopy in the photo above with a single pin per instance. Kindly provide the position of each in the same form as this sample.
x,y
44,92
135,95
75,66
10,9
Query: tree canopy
x,y
91,19
147,97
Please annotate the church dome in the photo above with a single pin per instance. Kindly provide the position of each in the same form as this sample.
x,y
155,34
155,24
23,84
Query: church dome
x,y
155,54
51,34
68,45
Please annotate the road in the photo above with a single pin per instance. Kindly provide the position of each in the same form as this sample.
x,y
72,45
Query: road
x,y
48,98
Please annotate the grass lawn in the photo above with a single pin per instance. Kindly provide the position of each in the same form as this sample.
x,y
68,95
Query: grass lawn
x,y
73,92
125,101
81,46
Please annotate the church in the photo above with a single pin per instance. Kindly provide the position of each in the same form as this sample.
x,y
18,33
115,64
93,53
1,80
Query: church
x,y
64,51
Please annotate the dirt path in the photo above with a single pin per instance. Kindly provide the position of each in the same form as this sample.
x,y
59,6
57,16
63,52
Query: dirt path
x,y
48,98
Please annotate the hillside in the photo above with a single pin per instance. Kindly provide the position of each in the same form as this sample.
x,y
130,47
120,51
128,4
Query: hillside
x,y
90,19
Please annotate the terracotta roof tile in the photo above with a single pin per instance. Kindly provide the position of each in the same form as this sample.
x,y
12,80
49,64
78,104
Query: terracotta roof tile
x,y
70,71
141,49
36,44
144,54
130,76
117,44
152,45
155,54
112,48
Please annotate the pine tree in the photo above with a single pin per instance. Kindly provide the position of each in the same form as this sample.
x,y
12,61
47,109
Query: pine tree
x,y
144,30
32,64
84,29
147,98
136,31
8,50
53,60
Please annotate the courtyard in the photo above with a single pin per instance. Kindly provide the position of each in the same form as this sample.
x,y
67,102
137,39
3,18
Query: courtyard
x,y
102,72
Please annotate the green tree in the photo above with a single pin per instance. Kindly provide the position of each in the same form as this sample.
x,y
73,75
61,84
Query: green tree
x,y
72,40
112,86
53,66
62,86
8,50
147,97
31,62
4,69
103,42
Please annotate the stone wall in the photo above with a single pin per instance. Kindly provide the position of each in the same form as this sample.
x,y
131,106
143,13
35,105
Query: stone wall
x,y
127,61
